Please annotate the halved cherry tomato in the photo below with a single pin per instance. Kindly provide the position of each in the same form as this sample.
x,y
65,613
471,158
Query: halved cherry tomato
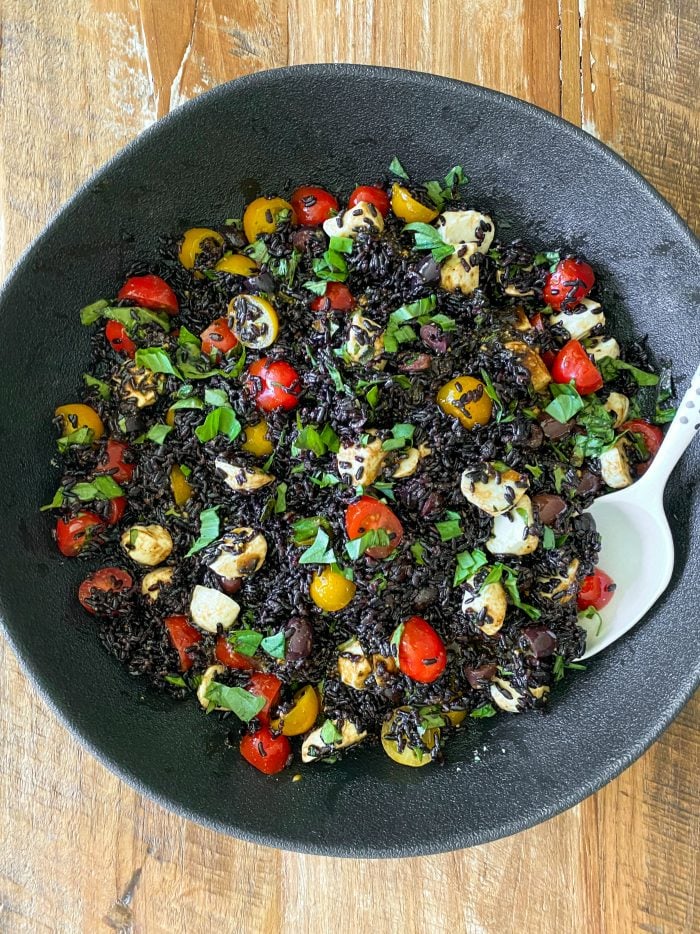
x,y
218,336
118,339
337,297
570,282
370,193
652,436
108,580
367,514
267,686
313,205
275,384
548,356
597,591
150,292
114,464
72,535
115,510
182,637
422,655
265,751
225,654
573,363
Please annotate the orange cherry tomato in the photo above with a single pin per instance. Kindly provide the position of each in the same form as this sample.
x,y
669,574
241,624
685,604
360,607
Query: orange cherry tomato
x,y
182,637
597,591
313,205
150,291
422,655
218,336
266,752
119,340
373,195
107,580
369,514
72,535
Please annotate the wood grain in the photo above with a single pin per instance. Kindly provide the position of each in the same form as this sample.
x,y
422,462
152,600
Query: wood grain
x,y
81,851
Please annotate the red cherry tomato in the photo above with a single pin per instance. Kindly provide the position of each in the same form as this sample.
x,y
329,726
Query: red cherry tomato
x,y
120,471
652,436
549,356
119,339
265,751
115,510
182,637
267,686
226,656
72,535
597,591
376,196
422,655
312,205
275,384
537,321
108,580
218,336
573,363
150,292
337,297
368,514
570,282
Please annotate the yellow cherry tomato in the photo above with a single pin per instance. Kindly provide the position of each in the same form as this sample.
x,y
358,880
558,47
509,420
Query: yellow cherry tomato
x,y
455,716
179,485
255,321
465,399
408,208
256,441
411,756
237,264
170,417
192,242
303,714
77,415
260,217
330,590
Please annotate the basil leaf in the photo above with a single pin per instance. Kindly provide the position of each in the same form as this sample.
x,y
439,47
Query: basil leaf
x,y
451,527
102,388
244,641
156,360
101,487
318,552
221,421
304,530
397,169
245,705
280,501
609,368
317,286
373,538
57,501
341,244
81,436
330,734
190,403
274,645
417,549
548,539
468,563
131,317
208,530
485,710
91,313
428,238
158,433
177,680
187,337
217,397
566,402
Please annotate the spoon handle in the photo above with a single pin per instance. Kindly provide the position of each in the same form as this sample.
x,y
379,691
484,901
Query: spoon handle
x,y
681,432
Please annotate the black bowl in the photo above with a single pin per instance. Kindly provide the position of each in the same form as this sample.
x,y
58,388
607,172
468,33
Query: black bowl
x,y
338,125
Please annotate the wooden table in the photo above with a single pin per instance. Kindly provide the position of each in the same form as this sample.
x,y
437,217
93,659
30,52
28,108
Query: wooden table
x,y
83,852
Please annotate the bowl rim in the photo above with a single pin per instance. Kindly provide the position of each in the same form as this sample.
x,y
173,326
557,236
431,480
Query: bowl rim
x,y
454,838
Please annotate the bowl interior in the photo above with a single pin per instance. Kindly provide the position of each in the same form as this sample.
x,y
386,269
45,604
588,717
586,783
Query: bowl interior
x,y
339,125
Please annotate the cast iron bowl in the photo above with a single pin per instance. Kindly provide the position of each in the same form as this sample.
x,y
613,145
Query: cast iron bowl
x,y
339,125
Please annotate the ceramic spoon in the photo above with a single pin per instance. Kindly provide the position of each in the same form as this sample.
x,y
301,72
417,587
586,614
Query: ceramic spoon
x,y
637,547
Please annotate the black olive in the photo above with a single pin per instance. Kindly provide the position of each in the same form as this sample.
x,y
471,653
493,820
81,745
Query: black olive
x,y
433,337
263,282
549,506
300,639
540,642
478,677
428,270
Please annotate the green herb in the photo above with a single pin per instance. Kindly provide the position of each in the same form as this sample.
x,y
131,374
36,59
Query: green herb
x,y
221,421
304,531
402,434
468,563
609,368
396,639
559,666
244,704
500,572
192,403
386,488
403,382
258,251
341,244
548,539
428,238
216,397
102,487
208,530
332,265
397,169
566,402
156,360
57,501
274,645
451,527
491,391
177,680
664,392
244,641
281,498
186,471
80,436
335,375
158,432
317,286
373,538
534,470
447,190
559,477
417,549
485,710
102,388
590,613
372,396
547,258
129,317
398,331
431,718
319,551
330,734
598,424
325,480
319,442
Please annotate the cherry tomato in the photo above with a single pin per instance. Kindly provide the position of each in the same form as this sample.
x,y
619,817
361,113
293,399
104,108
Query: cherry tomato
x,y
229,658
182,637
571,281
72,535
337,297
274,383
150,292
422,655
652,436
367,514
597,591
267,686
548,356
115,510
370,193
265,751
114,464
119,340
218,336
537,321
313,205
108,580
573,363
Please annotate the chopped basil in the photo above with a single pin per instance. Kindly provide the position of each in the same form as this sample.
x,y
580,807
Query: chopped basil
x,y
559,666
566,402
319,551
189,403
397,169
325,480
428,238
402,435
534,470
221,421
335,375
280,499
396,639
485,710
304,530
559,477
80,436
156,360
57,501
332,266
319,442
547,258
186,471
373,538
372,396
129,317
610,367
176,680
101,487
244,704
330,734
548,539
598,424
398,331
341,244
491,389
244,641
468,563
274,645
451,527
417,549
317,286
208,530
158,433
500,572
102,388
448,189
185,336
216,397
386,488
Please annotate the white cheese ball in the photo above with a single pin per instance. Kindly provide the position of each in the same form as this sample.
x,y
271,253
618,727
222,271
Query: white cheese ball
x,y
210,608
243,479
361,464
147,544
362,216
615,465
239,553
491,598
510,533
580,321
501,491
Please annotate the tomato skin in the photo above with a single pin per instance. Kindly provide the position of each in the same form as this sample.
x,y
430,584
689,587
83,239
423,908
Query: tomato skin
x,y
367,514
114,464
422,655
115,510
652,436
150,292
266,752
72,535
267,686
597,590
275,384
337,297
313,205
226,656
182,636
570,282
119,340
548,356
106,579
573,363
537,321
218,337
370,193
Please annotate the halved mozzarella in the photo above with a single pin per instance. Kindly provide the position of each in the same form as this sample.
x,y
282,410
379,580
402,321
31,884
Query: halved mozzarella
x,y
505,696
615,465
459,227
408,464
510,533
500,492
618,405
491,598
353,665
207,678
314,747
154,580
362,216
562,589
147,544
239,553
243,479
600,347
360,464
210,608
365,340
579,324
531,360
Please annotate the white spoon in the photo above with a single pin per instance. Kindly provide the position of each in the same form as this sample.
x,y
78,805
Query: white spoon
x,y
637,546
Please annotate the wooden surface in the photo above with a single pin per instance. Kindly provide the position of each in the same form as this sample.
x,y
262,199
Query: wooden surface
x,y
80,851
